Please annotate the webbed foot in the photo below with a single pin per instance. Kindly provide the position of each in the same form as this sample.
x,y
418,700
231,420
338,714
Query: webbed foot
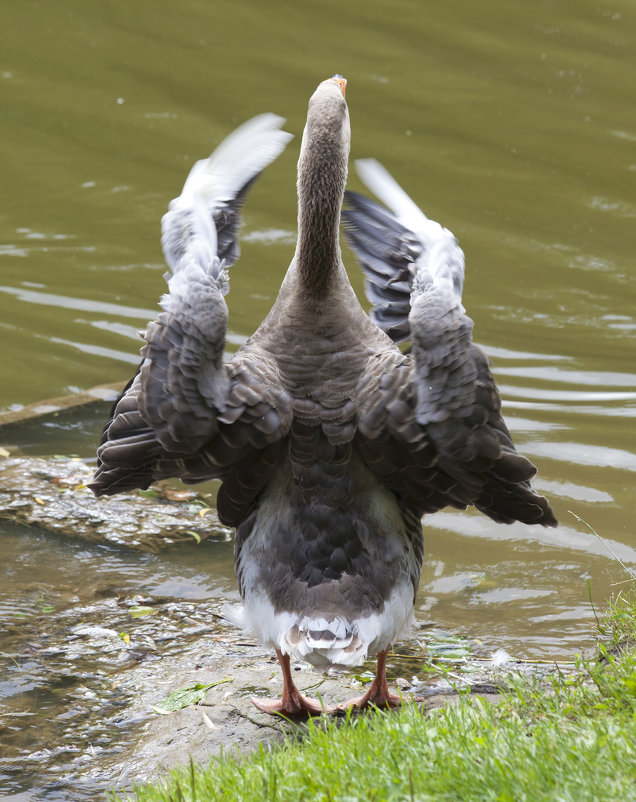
x,y
380,700
292,703
379,694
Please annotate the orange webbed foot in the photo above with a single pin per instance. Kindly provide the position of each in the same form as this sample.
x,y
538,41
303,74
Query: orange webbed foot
x,y
379,694
292,703
380,700
296,706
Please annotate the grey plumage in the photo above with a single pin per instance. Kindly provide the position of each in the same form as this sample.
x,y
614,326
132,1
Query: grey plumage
x,y
330,442
173,406
414,271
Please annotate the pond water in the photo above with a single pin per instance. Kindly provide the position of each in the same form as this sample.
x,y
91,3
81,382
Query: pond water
x,y
512,124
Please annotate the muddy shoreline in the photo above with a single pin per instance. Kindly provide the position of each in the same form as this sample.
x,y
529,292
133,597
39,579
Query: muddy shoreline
x,y
113,656
118,656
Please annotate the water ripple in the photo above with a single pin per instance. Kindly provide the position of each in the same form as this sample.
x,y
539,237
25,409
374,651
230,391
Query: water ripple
x,y
99,350
588,377
605,412
564,538
566,395
583,454
571,491
82,304
507,353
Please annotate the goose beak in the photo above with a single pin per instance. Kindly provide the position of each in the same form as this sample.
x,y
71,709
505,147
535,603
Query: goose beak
x,y
340,82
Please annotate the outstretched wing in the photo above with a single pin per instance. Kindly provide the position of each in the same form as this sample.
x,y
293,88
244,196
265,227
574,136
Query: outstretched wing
x,y
445,441
393,247
174,404
218,186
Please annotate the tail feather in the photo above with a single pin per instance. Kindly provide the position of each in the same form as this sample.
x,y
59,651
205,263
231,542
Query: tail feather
x,y
325,643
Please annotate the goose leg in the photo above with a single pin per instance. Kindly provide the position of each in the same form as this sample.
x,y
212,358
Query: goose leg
x,y
378,694
292,703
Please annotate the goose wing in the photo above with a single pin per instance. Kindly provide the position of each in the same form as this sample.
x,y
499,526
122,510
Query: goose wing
x,y
172,406
432,420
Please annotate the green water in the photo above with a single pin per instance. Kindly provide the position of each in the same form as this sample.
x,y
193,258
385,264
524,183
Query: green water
x,y
513,124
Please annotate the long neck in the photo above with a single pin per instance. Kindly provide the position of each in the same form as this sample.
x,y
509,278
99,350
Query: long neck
x,y
322,174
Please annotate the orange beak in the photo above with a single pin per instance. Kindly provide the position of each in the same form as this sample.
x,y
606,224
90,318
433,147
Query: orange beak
x,y
341,82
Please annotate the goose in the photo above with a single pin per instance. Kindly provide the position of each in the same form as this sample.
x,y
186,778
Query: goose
x,y
331,442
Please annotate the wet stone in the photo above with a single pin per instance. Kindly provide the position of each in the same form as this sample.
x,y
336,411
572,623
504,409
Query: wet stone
x,y
85,663
53,494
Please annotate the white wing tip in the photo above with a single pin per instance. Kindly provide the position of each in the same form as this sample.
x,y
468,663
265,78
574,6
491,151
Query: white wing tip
x,y
380,181
237,159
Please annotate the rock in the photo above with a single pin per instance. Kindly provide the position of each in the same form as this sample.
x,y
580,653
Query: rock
x,y
53,494
104,392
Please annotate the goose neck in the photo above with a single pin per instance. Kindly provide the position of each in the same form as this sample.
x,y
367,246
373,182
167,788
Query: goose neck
x,y
322,175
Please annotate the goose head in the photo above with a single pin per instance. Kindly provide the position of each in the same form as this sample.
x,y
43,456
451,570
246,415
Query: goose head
x,y
327,130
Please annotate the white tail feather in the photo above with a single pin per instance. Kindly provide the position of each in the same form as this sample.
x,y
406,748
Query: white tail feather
x,y
338,642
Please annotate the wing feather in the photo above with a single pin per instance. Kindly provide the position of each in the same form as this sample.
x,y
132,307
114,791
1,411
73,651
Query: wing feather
x,y
171,409
430,424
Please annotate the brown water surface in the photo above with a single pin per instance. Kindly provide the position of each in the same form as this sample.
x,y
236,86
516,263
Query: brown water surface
x,y
512,124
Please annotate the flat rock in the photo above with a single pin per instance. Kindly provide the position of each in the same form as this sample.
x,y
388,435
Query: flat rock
x,y
53,494
226,722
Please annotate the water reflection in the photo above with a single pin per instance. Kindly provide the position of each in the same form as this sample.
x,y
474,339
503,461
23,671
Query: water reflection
x,y
270,236
498,353
565,538
518,424
564,395
97,350
552,374
622,322
583,411
83,304
583,454
572,491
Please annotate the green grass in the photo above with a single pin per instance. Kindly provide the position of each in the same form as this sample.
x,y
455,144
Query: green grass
x,y
569,738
